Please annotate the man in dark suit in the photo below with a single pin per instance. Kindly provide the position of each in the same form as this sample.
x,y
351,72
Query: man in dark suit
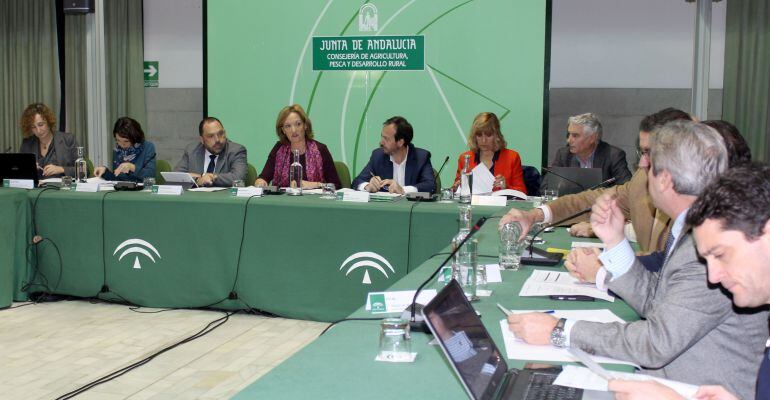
x,y
215,160
586,149
397,166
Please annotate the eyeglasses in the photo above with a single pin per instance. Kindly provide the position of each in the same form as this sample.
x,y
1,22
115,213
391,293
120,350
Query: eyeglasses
x,y
642,153
296,125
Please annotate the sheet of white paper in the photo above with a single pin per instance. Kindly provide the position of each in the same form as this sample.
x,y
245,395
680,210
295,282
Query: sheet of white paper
x,y
386,194
518,350
207,189
397,301
343,190
599,245
493,273
98,179
510,192
548,283
482,179
584,378
49,180
313,191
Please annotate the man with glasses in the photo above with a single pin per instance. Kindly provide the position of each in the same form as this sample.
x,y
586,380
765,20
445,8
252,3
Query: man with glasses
x,y
650,226
214,160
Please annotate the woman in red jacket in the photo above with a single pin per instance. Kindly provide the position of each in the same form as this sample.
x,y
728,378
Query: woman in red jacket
x,y
487,145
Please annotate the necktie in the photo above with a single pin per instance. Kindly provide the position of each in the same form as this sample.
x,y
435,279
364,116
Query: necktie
x,y
669,244
212,164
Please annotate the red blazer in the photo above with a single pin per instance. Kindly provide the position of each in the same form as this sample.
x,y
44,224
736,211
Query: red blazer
x,y
508,164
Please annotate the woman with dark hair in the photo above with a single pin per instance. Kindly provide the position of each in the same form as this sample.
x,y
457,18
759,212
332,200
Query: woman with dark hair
x,y
487,145
295,132
55,151
133,158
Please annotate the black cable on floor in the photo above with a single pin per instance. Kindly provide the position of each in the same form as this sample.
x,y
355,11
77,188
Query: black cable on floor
x,y
113,375
347,319
47,292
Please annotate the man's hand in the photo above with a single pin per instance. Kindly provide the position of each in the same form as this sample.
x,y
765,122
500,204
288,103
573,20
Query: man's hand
x,y
581,229
125,168
642,390
206,180
51,169
709,392
583,263
374,185
607,220
525,218
533,328
393,186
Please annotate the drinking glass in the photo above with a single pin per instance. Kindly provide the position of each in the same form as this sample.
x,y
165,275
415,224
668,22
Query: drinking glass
x,y
148,183
509,255
329,191
395,341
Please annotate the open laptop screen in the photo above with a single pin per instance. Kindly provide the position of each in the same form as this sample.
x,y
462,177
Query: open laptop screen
x,y
466,342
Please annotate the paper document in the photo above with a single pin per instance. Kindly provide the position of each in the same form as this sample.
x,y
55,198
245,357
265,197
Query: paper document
x,y
207,189
49,180
519,350
510,192
549,283
313,191
483,180
598,245
584,378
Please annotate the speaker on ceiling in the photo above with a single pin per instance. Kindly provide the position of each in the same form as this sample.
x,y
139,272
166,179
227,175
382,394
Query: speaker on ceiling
x,y
78,6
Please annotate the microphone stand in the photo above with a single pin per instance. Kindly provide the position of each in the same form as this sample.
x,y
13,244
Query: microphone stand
x,y
419,325
550,171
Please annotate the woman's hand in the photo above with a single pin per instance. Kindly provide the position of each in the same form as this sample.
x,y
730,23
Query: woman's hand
x,y
499,182
311,185
99,171
124,168
260,182
51,169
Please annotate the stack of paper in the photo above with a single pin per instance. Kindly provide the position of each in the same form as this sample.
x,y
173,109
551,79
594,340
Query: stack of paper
x,y
555,283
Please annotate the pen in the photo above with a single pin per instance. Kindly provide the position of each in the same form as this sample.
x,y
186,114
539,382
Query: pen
x,y
503,309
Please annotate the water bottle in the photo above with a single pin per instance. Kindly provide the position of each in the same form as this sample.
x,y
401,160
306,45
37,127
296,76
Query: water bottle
x,y
465,263
81,167
466,181
295,176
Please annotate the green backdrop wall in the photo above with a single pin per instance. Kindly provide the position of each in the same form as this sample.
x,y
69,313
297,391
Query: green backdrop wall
x,y
480,55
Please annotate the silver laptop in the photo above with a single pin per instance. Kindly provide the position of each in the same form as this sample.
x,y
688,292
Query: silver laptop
x,y
477,361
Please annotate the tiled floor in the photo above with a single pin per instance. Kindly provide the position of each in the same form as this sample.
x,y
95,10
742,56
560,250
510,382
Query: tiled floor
x,y
49,349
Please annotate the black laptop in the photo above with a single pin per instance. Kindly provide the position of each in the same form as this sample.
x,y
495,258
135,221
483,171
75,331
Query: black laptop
x,y
18,166
478,362
569,180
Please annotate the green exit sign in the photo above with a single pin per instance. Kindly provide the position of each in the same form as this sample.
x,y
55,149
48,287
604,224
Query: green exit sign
x,y
151,74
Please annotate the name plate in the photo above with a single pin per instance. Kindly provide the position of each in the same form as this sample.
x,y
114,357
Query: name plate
x,y
250,191
19,183
357,196
171,190
495,201
87,187
390,302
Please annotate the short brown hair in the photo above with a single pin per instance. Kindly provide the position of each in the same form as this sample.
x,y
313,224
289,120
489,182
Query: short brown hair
x,y
28,118
486,122
128,128
285,112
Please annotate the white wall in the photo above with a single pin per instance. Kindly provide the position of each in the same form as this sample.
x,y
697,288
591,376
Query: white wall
x,y
173,32
630,43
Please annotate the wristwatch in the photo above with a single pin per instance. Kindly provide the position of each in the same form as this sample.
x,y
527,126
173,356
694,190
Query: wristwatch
x,y
558,336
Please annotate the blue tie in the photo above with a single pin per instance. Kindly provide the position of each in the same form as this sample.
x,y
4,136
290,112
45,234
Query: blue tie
x,y
669,244
212,164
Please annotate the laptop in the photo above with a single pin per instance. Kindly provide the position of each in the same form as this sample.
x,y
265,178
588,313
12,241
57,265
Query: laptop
x,y
183,179
18,166
569,180
477,361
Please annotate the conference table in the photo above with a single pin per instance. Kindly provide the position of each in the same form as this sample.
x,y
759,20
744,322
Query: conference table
x,y
340,363
298,257
14,236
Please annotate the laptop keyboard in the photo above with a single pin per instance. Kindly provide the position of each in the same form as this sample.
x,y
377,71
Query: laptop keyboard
x,y
541,387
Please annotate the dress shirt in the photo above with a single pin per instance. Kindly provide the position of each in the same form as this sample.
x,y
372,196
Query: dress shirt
x,y
399,173
207,160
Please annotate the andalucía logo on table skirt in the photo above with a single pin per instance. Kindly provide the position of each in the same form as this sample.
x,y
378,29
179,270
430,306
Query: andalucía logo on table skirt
x,y
367,18
367,260
138,247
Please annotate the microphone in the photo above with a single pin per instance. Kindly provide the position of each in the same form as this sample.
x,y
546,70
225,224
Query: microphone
x,y
439,172
607,182
418,324
552,224
427,196
550,171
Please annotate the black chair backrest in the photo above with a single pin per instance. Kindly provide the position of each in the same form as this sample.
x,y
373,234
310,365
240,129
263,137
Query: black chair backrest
x,y
531,180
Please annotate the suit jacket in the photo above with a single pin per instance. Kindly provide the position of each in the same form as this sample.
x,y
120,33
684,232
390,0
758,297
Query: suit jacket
x,y
610,159
507,164
690,330
231,164
651,226
419,171
65,151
